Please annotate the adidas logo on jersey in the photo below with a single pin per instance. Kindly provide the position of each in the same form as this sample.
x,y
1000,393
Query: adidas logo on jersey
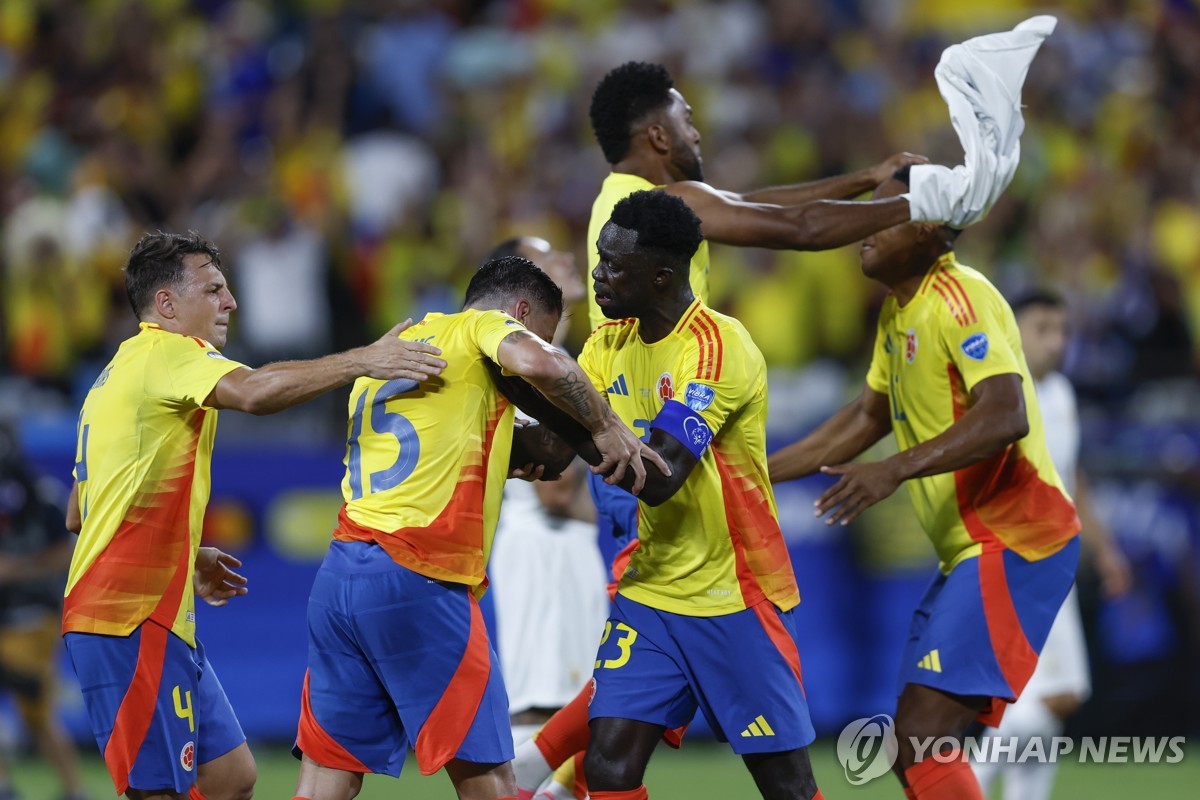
x,y
758,728
619,386
931,662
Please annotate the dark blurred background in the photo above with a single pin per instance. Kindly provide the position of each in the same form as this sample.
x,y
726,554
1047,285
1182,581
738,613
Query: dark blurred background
x,y
356,160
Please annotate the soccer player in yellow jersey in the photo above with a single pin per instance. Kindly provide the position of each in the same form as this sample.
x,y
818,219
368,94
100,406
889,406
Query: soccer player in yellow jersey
x,y
949,379
711,589
644,126
398,653
146,430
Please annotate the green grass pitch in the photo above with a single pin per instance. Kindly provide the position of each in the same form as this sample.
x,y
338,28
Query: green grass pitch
x,y
700,771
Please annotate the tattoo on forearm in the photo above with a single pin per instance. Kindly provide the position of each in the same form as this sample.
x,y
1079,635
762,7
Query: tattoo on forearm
x,y
575,392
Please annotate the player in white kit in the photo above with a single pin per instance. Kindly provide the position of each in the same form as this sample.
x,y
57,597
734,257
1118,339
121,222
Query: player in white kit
x,y
1061,682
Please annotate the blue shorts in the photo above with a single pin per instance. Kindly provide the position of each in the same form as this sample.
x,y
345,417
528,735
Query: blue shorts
x,y
156,707
616,516
979,630
742,670
396,658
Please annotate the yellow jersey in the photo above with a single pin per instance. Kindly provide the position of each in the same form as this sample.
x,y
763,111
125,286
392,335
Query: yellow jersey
x,y
715,547
142,463
616,187
929,354
426,463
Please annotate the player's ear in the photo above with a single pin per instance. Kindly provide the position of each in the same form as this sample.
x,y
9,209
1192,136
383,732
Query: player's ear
x,y
663,276
164,303
521,311
659,137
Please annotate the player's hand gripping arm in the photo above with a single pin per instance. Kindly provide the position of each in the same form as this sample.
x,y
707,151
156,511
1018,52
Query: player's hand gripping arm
x,y
995,420
284,384
839,187
563,383
846,434
816,225
214,580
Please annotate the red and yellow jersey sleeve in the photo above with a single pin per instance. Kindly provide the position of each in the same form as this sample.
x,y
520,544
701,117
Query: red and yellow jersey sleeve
x,y
616,187
142,463
426,463
715,547
929,356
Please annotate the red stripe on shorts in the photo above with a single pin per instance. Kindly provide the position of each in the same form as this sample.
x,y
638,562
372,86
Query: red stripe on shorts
x,y
448,724
137,706
1014,654
316,743
771,623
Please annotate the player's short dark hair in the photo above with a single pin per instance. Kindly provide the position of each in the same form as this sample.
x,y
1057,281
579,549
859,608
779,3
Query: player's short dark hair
x,y
1038,298
499,279
157,261
624,96
663,223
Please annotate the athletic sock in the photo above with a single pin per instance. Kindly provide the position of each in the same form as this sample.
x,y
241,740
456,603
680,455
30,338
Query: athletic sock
x,y
908,792
529,768
949,778
639,793
567,732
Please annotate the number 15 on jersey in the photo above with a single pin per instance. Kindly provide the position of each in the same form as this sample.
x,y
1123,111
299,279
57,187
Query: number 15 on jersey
x,y
382,423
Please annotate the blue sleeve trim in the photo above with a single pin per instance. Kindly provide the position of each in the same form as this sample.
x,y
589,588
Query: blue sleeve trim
x,y
685,426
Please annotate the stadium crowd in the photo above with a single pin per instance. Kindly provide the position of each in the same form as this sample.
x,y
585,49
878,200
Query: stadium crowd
x,y
358,160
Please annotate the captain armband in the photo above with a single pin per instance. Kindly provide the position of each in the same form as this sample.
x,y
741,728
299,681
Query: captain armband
x,y
685,426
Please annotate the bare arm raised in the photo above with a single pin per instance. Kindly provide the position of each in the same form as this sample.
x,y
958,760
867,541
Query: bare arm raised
x,y
838,187
284,384
816,225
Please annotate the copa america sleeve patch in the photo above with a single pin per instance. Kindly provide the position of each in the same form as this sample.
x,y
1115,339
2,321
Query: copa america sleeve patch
x,y
975,346
698,396
683,425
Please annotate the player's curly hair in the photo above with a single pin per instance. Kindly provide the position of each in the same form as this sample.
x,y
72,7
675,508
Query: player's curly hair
x,y
624,96
662,222
157,261
501,278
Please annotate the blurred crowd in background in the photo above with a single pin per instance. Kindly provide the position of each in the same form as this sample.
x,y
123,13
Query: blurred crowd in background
x,y
357,159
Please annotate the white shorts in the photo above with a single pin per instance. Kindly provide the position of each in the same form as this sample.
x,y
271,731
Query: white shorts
x,y
549,585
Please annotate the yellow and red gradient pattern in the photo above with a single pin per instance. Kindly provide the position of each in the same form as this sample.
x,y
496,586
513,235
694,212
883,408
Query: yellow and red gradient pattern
x,y
455,544
1005,498
439,517
764,568
143,569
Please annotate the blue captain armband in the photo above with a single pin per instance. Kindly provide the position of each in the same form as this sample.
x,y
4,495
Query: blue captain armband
x,y
685,426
